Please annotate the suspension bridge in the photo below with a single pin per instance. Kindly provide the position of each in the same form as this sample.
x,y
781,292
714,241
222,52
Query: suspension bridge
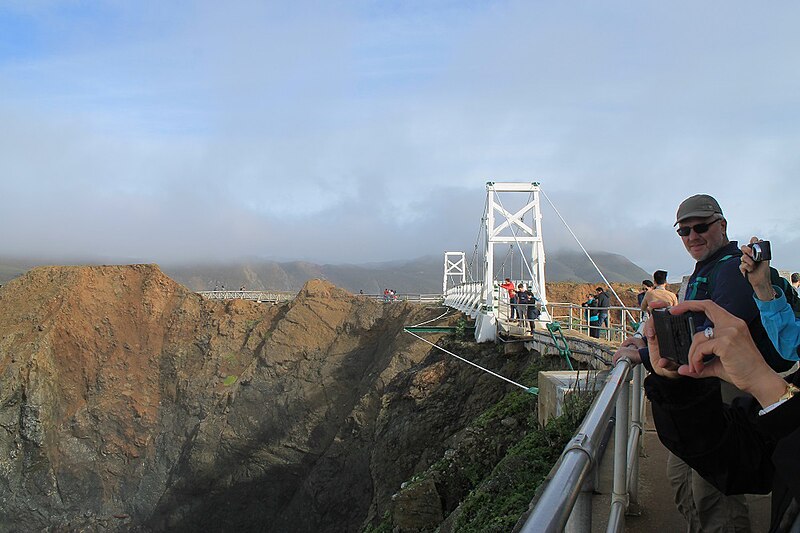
x,y
603,480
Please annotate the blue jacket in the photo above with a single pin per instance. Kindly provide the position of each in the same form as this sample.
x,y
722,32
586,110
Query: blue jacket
x,y
782,327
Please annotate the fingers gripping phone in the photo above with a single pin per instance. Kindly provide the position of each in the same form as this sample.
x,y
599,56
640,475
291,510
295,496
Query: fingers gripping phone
x,y
674,333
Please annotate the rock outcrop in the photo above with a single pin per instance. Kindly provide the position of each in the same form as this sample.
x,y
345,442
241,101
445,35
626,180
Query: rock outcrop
x,y
128,402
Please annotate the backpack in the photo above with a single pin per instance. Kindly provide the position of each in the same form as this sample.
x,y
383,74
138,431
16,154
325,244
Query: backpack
x,y
763,343
775,278
792,297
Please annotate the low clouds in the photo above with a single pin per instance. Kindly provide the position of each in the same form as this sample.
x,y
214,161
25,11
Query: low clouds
x,y
193,132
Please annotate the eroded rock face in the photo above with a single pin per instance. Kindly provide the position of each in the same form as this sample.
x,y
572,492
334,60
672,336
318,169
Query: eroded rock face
x,y
128,402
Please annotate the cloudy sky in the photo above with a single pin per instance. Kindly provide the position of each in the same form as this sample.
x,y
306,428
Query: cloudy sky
x,y
366,130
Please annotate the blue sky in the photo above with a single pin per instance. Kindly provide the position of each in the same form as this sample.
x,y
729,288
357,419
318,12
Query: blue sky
x,y
365,131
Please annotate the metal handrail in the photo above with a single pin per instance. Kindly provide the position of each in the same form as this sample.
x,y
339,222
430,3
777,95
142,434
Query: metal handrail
x,y
573,316
259,296
556,508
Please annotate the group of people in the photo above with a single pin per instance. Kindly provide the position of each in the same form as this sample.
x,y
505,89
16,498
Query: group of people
x,y
731,416
597,305
389,295
525,307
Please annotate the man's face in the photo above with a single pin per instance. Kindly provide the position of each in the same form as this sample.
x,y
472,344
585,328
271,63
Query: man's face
x,y
702,245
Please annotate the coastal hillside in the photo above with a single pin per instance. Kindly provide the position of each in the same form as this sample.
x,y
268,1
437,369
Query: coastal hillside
x,y
129,402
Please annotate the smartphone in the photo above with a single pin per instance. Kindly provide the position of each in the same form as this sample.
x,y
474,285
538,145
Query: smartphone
x,y
674,334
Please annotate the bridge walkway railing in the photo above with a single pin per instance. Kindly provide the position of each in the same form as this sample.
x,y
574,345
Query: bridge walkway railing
x,y
565,504
283,296
258,296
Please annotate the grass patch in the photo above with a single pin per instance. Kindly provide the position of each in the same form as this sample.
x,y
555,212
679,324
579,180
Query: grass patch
x,y
491,476
230,380
500,500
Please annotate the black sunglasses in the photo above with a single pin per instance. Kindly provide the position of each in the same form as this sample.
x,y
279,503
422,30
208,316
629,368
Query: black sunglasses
x,y
684,231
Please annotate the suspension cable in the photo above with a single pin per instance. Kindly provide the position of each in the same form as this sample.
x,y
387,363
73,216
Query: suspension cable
x,y
532,390
480,234
447,311
608,284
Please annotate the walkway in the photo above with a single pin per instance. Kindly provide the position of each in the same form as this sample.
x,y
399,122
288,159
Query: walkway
x,y
657,512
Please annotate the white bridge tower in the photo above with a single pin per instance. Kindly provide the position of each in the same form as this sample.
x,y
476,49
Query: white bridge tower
x,y
522,229
454,269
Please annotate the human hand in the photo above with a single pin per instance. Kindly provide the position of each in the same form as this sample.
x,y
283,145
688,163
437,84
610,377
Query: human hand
x,y
630,351
737,360
632,340
756,273
661,365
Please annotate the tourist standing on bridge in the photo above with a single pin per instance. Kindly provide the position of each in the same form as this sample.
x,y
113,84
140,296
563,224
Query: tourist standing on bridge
x,y
703,230
532,311
522,303
603,302
591,304
660,293
508,285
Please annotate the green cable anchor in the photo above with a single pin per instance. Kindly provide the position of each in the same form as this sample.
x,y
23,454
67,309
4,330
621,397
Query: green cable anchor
x,y
532,390
560,341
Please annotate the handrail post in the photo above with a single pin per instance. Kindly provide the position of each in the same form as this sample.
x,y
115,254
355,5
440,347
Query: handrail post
x,y
555,504
637,425
619,499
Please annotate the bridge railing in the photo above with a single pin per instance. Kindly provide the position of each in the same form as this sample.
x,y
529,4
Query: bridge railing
x,y
258,296
576,317
406,297
565,504
467,297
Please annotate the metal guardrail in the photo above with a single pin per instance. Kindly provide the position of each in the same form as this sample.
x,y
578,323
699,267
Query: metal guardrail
x,y
258,296
410,297
576,317
566,502
283,296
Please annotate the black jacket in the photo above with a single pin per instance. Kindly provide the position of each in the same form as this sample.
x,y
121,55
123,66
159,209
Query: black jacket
x,y
731,446
718,279
603,300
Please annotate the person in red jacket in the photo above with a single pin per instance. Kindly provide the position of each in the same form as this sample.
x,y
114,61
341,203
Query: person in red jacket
x,y
512,296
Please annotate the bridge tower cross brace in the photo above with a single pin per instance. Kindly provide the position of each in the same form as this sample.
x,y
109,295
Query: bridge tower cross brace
x,y
499,222
454,267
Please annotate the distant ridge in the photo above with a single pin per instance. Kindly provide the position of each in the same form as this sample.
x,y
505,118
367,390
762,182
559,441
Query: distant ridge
x,y
420,275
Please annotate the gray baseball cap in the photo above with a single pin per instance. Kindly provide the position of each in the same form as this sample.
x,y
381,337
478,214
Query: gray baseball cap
x,y
699,205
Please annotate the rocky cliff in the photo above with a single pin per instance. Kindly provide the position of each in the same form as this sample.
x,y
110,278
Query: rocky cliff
x,y
129,403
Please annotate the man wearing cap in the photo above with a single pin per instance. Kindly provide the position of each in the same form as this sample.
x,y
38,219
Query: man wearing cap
x,y
703,230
